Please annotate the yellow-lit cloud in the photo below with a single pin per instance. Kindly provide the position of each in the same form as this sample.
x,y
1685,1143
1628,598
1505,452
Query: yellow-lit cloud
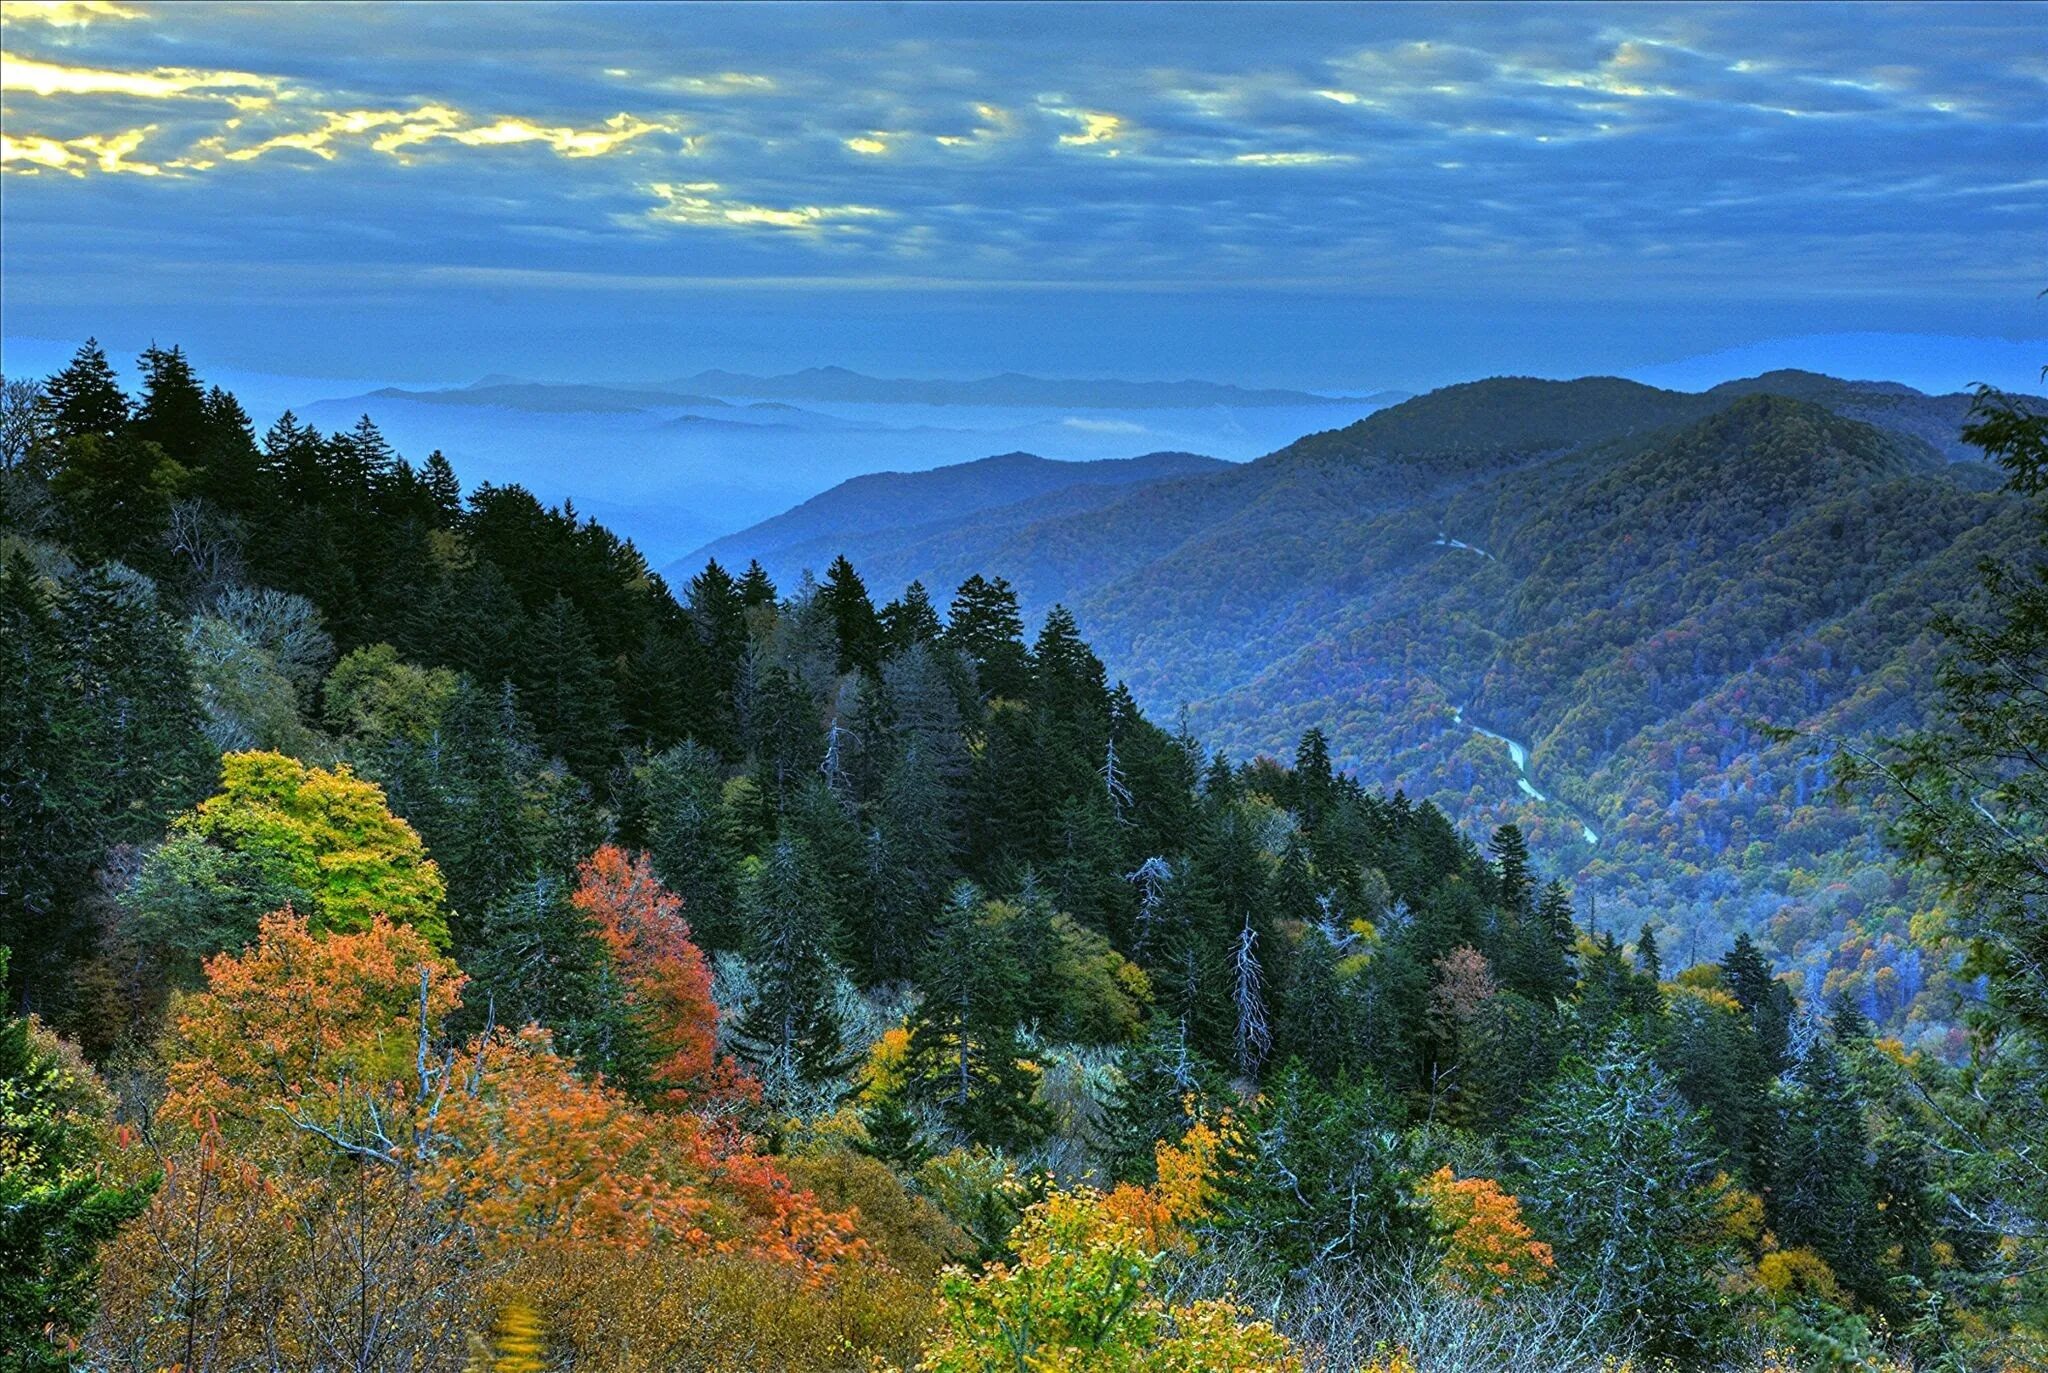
x,y
108,153
1096,127
25,75
64,14
702,204
995,122
869,145
395,131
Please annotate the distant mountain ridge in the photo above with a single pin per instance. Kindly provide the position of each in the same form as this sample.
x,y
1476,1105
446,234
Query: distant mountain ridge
x,y
1563,603
1006,389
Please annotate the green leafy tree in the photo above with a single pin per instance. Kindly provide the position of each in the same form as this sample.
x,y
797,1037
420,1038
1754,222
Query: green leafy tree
x,y
281,833
57,1205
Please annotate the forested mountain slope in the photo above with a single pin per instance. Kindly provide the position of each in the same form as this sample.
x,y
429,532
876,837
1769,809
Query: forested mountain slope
x,y
1618,583
892,507
434,941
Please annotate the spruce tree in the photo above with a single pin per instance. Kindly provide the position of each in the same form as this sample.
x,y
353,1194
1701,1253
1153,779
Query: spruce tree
x,y
964,1051
857,627
565,690
790,1032
86,397
911,619
984,624
1620,1179
172,414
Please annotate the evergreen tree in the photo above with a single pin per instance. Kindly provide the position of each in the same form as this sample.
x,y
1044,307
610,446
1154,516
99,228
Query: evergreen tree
x,y
565,690
172,414
790,1032
1068,678
1767,1000
1517,879
984,624
1621,1183
534,960
964,1052
1313,1178
1157,1095
1823,1192
688,831
86,397
911,619
844,597
443,490
755,590
1315,781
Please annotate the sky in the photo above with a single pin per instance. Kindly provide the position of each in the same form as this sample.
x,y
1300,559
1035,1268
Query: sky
x,y
1325,197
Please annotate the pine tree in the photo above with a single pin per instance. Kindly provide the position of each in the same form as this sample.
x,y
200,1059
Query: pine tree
x,y
964,1054
86,397
790,1032
984,624
911,619
844,597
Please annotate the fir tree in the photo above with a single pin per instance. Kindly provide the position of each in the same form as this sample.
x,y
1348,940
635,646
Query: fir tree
x,y
790,1032
844,597
964,1053
984,624
86,397
911,619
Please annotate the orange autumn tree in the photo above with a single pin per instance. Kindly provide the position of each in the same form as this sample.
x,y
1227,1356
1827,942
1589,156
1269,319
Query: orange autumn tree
x,y
1487,1249
667,979
337,1041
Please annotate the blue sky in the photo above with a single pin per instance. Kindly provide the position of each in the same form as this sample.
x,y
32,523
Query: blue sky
x,y
1318,196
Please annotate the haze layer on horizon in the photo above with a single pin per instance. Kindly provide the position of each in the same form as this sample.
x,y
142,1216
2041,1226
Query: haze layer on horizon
x,y
1322,197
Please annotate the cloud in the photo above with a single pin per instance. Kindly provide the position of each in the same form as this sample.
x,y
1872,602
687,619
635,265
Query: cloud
x,y
32,154
1097,128
718,83
704,204
1294,159
24,75
65,14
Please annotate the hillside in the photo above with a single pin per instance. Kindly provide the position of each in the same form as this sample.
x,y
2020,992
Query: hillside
x,y
1611,583
890,507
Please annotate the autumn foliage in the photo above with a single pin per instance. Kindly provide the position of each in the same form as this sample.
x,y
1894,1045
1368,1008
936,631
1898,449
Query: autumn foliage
x,y
1487,1249
667,980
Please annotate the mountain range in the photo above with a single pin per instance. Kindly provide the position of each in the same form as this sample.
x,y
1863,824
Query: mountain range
x,y
1578,605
